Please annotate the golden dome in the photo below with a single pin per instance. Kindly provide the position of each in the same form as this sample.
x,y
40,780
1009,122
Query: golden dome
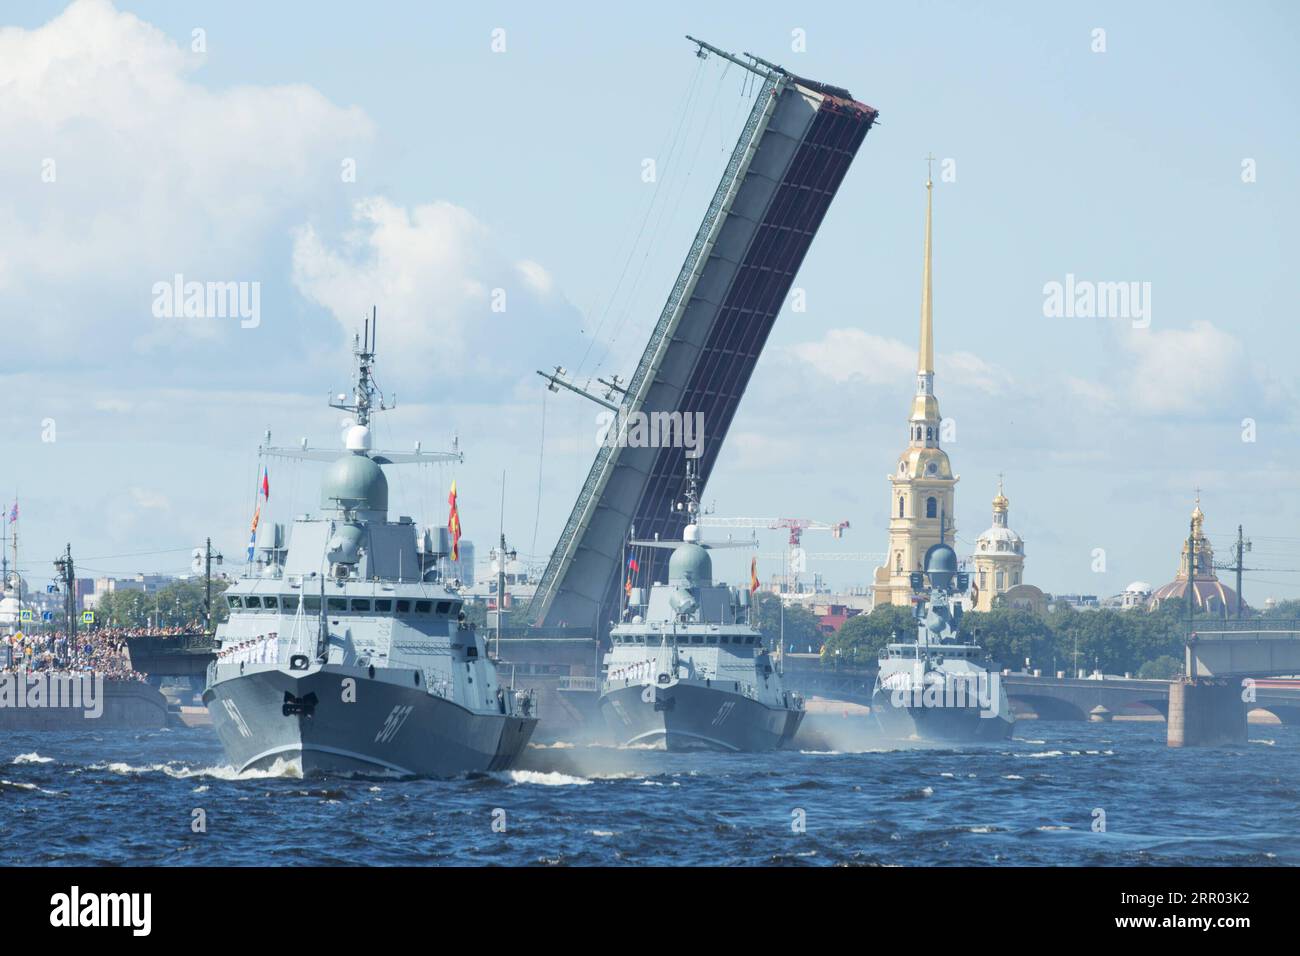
x,y
1000,502
924,463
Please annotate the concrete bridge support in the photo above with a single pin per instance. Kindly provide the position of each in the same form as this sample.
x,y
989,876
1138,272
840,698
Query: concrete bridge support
x,y
1205,713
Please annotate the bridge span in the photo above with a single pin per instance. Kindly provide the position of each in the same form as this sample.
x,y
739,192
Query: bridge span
x,y
1047,698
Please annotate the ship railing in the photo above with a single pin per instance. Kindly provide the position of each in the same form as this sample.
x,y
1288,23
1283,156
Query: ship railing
x,y
577,683
525,703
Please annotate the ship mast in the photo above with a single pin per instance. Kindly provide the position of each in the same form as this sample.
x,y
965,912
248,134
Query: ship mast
x,y
364,391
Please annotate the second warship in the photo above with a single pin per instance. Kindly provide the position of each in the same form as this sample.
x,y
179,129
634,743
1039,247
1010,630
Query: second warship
x,y
344,650
939,687
686,670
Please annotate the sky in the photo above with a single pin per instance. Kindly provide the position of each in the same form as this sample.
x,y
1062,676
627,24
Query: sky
x,y
437,161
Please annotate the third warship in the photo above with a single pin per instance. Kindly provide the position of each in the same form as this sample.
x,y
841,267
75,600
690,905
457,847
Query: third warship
x,y
938,687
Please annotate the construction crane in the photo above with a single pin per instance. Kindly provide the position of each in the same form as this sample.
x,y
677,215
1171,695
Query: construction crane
x,y
796,527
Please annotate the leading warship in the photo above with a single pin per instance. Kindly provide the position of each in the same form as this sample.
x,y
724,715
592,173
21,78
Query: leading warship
x,y
938,687
685,669
344,650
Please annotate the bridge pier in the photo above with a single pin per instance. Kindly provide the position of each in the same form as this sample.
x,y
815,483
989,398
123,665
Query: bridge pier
x,y
1205,713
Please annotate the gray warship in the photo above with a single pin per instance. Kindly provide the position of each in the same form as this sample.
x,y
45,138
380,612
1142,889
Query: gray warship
x,y
938,687
685,670
344,650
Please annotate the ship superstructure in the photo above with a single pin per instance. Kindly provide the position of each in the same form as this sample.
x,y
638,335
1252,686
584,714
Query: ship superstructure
x,y
685,669
939,686
344,650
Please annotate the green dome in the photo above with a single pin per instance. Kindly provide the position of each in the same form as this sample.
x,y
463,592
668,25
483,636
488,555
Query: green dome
x,y
940,565
356,482
690,565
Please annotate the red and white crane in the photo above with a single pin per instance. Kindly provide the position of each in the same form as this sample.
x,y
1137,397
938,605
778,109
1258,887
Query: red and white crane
x,y
796,527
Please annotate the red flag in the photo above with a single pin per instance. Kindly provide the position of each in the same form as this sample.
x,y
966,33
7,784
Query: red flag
x,y
753,574
453,524
266,485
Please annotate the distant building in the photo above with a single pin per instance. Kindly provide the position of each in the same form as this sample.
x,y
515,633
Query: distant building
x,y
1209,594
1024,597
999,557
1136,595
922,486
831,617
1080,602
462,569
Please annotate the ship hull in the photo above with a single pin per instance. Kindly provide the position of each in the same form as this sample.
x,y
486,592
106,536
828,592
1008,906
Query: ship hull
x,y
695,716
945,724
387,729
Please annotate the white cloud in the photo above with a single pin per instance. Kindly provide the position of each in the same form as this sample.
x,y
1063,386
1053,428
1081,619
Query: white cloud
x,y
154,173
449,302
844,355
848,355
1177,371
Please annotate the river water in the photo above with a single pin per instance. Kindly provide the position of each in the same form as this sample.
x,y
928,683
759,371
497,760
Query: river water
x,y
1056,793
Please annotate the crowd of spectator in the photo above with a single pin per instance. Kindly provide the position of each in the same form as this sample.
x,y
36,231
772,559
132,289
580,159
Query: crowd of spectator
x,y
102,651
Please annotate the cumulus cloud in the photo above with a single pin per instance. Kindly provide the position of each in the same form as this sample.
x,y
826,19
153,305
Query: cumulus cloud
x,y
450,304
1199,372
124,169
852,355
1177,371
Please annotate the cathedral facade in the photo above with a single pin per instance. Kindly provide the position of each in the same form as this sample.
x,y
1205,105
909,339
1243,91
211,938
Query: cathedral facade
x,y
922,486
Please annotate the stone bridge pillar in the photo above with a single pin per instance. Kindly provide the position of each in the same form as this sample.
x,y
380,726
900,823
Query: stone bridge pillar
x,y
1205,713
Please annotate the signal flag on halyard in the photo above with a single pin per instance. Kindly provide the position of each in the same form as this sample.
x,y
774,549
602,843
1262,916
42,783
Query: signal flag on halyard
x,y
632,568
252,534
453,524
266,484
13,512
753,574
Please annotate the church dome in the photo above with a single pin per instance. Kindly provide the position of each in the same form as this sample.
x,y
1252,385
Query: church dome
x,y
356,482
1209,594
690,566
999,539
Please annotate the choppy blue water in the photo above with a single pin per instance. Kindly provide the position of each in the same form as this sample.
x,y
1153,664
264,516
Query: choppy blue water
x,y
129,798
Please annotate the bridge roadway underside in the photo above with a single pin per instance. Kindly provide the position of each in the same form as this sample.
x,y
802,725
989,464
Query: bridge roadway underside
x,y
1045,697
703,351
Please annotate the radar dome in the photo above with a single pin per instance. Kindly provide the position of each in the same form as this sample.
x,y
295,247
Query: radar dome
x,y
354,482
691,566
357,438
940,565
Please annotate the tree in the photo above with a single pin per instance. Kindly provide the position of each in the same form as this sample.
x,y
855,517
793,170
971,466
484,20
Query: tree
x,y
1284,611
861,638
177,604
1162,668
799,627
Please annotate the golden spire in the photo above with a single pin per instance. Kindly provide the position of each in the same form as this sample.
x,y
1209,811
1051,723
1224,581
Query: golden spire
x,y
925,360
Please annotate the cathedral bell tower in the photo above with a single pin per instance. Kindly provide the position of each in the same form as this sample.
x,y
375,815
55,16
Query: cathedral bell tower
x,y
922,486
